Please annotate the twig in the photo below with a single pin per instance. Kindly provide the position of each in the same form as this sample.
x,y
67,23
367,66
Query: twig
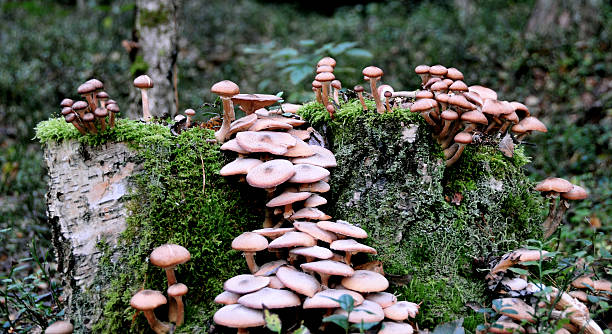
x,y
203,174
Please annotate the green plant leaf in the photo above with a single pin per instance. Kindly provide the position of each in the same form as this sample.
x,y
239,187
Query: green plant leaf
x,y
453,327
307,42
341,48
359,53
273,322
519,271
338,319
300,73
365,325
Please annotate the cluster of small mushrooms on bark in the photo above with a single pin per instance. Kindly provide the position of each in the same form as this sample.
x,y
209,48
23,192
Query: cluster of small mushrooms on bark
x,y
167,257
301,240
96,113
518,306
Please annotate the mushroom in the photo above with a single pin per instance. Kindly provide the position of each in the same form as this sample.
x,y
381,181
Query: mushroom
x,y
454,74
243,284
366,281
316,232
72,118
87,90
337,85
384,299
325,78
251,102
350,247
359,90
102,97
388,95
483,92
190,113
551,188
323,299
306,173
240,317
530,124
79,108
293,239
330,110
327,61
101,113
343,229
425,107
147,301
310,253
322,157
373,74
401,311
317,85
298,281
168,256
88,119
392,327
438,71
423,72
227,298
249,243
114,109
327,268
60,327
66,103
177,291
270,299
366,312
225,89
286,199
461,140
276,143
577,193
515,308
270,268
239,166
144,83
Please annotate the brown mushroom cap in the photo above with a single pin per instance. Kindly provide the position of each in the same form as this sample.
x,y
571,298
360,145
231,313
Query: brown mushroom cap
x,y
270,174
86,88
555,184
515,308
439,86
325,77
291,107
423,105
245,283
100,112
328,61
316,187
305,173
449,115
463,138
225,88
458,86
322,157
239,166
79,105
474,98
251,102
169,255
315,231
227,298
287,197
575,194
533,124
520,109
315,200
293,239
483,92
421,69
309,213
300,150
60,327
178,289
300,134
366,281
344,228
475,117
322,299
145,300
351,245
232,145
273,233
460,102
250,242
242,124
143,81
298,281
269,124
324,68
392,327
329,267
401,311
270,268
265,141
270,298
384,299
372,72
313,251
495,108
66,103
454,74
438,70
239,316
366,312
112,107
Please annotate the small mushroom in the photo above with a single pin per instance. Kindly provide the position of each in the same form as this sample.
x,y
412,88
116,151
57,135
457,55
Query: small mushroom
x,y
388,95
330,110
359,90
168,256
72,118
423,72
373,74
337,85
144,83
147,301
317,85
325,78
190,113
461,140
240,317
60,327
226,90
114,109
177,291
249,243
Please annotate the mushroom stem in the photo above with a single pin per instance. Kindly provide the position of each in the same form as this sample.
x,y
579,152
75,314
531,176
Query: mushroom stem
x,y
180,311
242,331
428,119
450,151
76,124
269,212
250,259
146,115
445,129
228,116
325,96
156,325
387,105
456,156
552,208
170,276
318,95
347,258
336,96
288,211
493,124
379,106
558,217
324,279
363,104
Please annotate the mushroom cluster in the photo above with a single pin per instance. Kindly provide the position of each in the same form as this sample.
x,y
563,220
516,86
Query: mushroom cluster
x,y
517,310
553,188
310,267
96,113
167,257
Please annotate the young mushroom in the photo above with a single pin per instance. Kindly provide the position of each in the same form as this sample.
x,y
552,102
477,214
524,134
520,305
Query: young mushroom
x,y
176,292
190,113
316,85
461,140
373,74
144,83
60,327
250,243
359,91
240,317
147,301
337,85
114,109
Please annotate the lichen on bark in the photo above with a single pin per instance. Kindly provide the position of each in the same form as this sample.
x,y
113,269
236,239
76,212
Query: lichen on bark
x,y
431,225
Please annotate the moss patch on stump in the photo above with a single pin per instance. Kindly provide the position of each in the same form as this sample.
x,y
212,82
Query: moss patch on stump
x,y
431,225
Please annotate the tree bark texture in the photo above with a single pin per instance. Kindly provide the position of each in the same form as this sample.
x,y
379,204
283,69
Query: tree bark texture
x,y
551,17
157,35
85,206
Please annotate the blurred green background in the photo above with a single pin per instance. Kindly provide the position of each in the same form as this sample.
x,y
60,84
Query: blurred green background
x,y
563,73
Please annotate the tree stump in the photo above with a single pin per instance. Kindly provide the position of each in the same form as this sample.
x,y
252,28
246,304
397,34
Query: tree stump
x,y
85,205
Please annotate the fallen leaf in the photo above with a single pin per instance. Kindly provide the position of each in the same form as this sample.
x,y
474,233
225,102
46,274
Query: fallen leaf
x,y
506,145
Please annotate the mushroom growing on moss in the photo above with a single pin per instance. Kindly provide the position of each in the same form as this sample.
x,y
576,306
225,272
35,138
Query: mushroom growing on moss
x,y
144,83
373,74
250,243
147,301
176,292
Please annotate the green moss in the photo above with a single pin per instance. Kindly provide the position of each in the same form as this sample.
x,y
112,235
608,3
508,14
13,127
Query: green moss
x,y
154,18
391,179
169,205
125,130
